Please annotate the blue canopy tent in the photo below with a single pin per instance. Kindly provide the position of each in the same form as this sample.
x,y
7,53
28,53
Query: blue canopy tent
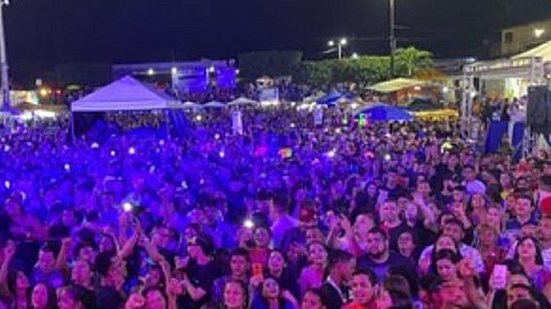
x,y
330,99
382,112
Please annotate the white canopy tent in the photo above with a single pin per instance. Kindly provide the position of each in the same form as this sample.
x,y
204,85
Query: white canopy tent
x,y
125,94
189,105
214,104
243,101
527,68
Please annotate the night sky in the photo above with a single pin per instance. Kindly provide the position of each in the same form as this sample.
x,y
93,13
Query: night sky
x,y
42,33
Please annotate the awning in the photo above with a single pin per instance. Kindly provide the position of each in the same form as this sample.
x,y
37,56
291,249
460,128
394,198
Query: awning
x,y
396,84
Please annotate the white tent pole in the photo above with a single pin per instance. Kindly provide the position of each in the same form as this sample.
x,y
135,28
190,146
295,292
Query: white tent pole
x,y
72,123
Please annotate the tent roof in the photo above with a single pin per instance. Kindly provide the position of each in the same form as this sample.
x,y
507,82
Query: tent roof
x,y
384,112
243,101
124,94
187,105
541,51
396,84
214,104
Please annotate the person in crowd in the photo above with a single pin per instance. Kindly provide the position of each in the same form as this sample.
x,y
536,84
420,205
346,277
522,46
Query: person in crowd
x,y
235,295
364,288
239,270
312,275
380,258
120,220
340,269
269,295
313,299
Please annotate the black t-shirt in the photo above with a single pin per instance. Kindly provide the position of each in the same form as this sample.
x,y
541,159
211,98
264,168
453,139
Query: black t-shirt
x,y
381,270
201,276
88,296
107,297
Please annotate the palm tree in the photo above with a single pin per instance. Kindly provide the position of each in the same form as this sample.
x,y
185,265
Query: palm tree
x,y
412,59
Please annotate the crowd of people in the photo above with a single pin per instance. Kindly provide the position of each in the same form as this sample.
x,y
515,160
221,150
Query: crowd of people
x,y
285,215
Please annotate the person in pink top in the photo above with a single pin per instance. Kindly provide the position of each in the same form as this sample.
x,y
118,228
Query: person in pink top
x,y
312,275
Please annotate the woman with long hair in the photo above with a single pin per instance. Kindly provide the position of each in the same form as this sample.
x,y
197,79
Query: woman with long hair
x,y
235,295
441,243
277,268
43,297
445,265
269,295
70,298
313,299
528,255
312,275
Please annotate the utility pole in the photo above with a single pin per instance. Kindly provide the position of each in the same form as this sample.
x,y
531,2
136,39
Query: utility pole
x,y
392,39
6,105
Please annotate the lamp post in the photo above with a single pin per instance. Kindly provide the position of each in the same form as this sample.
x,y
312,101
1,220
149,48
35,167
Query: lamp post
x,y
6,106
342,42
392,38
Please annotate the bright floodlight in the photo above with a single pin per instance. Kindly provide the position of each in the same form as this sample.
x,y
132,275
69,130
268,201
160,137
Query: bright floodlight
x,y
198,118
216,136
94,146
7,184
222,154
67,167
127,206
113,153
174,70
538,32
131,151
211,69
248,223
331,154
331,43
355,56
150,72
344,41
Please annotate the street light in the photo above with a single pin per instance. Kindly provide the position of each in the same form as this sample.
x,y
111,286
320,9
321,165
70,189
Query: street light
x,y
6,105
342,42
538,32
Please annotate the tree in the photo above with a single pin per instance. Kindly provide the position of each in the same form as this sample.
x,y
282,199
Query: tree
x,y
272,63
411,59
315,73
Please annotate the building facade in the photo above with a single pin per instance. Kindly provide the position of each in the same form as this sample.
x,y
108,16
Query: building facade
x,y
517,39
184,77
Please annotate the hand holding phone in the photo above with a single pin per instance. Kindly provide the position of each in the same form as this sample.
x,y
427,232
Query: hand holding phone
x,y
257,269
498,279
